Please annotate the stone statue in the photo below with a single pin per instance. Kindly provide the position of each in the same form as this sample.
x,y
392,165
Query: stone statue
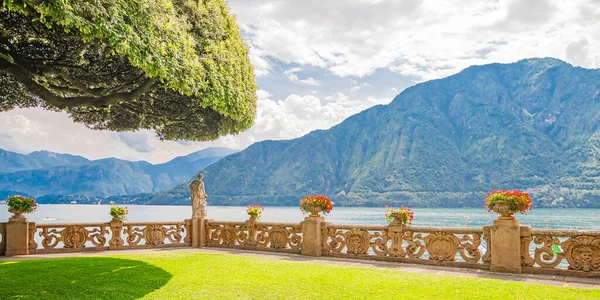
x,y
198,197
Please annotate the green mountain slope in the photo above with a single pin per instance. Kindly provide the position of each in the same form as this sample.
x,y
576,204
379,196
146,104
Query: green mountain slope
x,y
109,177
528,125
13,162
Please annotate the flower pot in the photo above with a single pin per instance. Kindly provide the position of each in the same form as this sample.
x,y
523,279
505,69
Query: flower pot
x,y
117,219
253,218
397,219
16,213
503,209
314,210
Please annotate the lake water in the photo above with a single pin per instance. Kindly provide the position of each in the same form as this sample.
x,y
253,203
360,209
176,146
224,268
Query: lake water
x,y
572,218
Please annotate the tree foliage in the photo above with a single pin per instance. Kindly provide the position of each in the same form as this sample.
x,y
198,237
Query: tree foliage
x,y
178,67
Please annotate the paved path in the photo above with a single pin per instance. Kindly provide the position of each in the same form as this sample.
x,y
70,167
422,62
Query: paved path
x,y
415,268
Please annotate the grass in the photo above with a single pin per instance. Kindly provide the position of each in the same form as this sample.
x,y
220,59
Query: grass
x,y
190,275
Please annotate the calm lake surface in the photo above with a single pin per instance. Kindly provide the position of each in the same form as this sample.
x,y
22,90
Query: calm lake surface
x,y
572,218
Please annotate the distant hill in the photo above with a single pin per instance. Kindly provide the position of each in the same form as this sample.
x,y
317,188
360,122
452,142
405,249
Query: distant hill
x,y
109,177
532,125
13,162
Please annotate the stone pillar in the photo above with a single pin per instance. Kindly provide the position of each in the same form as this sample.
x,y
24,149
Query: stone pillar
x,y
506,246
311,236
17,236
199,232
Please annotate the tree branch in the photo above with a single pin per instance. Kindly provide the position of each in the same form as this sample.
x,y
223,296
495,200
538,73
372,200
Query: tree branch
x,y
39,90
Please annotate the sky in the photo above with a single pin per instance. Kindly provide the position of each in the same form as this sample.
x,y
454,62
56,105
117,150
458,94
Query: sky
x,y
318,62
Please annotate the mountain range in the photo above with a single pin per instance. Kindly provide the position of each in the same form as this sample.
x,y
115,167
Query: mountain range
x,y
46,173
529,125
13,162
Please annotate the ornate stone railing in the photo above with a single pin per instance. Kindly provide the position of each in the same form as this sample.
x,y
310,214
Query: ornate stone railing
x,y
505,246
253,235
50,238
561,251
428,245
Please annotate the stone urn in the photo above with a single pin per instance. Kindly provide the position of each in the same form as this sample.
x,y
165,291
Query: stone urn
x,y
397,219
117,219
503,209
253,218
18,214
314,210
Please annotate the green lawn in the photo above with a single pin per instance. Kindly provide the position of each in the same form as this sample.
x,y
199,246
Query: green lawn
x,y
188,275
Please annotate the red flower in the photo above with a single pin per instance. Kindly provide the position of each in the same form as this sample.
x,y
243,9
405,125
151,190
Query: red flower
x,y
517,200
405,215
319,200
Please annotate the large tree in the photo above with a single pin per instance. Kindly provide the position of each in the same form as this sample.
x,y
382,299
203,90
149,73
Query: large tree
x,y
178,67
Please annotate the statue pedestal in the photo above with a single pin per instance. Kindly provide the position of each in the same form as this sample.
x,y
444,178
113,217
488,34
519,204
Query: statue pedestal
x,y
506,250
198,232
311,236
17,236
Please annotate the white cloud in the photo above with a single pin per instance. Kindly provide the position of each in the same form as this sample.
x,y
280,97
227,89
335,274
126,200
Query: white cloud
x,y
357,87
18,124
577,52
259,61
298,115
291,75
137,141
420,39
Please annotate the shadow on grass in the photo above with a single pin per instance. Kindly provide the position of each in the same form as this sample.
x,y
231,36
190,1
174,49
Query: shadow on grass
x,y
80,278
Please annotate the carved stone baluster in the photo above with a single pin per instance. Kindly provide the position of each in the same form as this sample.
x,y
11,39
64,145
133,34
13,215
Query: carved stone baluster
x,y
74,236
487,236
415,244
251,227
155,234
335,240
228,235
263,236
469,247
544,256
357,241
441,246
325,248
296,237
188,232
526,238
380,244
51,238
583,253
116,228
396,234
279,237
32,244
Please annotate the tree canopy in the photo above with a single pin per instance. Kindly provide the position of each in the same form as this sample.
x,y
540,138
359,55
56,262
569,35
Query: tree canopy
x,y
178,67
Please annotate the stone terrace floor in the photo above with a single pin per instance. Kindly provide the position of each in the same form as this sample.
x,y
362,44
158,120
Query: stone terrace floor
x,y
415,268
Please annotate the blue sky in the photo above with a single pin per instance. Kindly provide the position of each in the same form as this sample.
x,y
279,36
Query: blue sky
x,y
318,62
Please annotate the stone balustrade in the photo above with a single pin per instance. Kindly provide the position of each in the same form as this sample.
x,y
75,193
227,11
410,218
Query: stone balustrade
x,y
505,246
565,252
254,235
430,245
70,237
